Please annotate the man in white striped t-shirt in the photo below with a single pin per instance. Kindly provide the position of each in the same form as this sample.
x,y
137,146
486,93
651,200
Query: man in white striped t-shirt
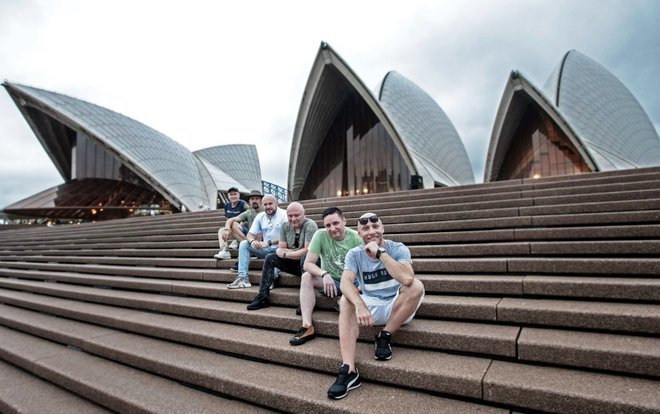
x,y
389,295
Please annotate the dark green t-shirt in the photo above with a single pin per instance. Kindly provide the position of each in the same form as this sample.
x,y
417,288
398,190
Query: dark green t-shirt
x,y
288,234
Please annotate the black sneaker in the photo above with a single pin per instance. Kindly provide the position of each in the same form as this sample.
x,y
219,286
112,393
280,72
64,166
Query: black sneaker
x,y
304,334
234,268
261,301
346,381
383,348
298,310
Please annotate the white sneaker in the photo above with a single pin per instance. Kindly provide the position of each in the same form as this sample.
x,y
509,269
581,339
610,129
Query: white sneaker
x,y
233,244
240,282
223,255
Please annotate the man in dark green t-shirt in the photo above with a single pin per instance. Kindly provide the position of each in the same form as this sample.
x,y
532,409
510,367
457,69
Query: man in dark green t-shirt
x,y
330,244
295,237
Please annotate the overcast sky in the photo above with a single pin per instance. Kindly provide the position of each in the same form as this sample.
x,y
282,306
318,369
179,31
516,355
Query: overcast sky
x,y
209,73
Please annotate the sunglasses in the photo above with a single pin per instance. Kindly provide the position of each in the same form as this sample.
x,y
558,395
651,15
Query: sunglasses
x,y
365,220
296,242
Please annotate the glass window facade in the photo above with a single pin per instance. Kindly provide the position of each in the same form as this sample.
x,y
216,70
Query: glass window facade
x,y
357,156
540,149
94,199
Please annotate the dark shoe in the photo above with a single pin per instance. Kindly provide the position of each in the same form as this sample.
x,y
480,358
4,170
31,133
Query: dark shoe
x,y
346,381
336,308
298,310
261,301
383,348
234,268
304,334
276,283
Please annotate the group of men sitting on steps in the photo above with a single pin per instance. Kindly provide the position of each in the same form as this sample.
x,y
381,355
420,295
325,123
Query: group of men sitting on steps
x,y
373,276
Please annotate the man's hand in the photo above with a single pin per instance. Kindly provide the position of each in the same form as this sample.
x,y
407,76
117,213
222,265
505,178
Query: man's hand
x,y
257,245
371,248
280,252
225,234
329,287
363,315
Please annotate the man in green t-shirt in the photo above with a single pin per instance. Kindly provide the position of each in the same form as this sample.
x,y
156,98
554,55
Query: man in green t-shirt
x,y
330,244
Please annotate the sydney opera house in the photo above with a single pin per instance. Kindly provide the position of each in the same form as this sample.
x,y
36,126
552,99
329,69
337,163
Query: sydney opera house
x,y
114,166
583,120
347,140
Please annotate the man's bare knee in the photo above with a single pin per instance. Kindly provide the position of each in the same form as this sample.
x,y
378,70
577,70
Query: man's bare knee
x,y
346,305
414,291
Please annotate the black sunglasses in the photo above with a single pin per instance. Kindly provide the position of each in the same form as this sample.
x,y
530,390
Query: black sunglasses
x,y
296,241
365,220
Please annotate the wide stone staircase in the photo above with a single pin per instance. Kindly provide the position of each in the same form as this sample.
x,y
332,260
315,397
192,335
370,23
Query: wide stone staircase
x,y
541,296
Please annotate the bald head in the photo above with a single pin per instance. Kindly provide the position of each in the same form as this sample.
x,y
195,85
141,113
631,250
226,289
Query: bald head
x,y
295,206
295,213
269,203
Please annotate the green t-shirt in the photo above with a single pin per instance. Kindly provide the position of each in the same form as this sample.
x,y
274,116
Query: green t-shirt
x,y
333,252
288,234
246,218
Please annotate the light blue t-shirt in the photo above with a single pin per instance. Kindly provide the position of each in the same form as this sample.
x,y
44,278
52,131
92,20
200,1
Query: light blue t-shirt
x,y
375,280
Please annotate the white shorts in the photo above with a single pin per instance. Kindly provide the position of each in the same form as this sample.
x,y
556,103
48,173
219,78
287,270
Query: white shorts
x,y
381,310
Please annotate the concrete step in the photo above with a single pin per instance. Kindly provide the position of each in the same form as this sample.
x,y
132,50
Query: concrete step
x,y
607,232
560,390
596,287
434,306
538,248
115,386
21,392
592,188
564,286
624,266
631,174
450,374
648,267
126,261
620,232
209,275
540,265
303,390
606,316
606,197
593,179
466,337
590,232
448,221
613,218
555,248
568,286
645,174
75,245
628,354
595,207
621,353
622,317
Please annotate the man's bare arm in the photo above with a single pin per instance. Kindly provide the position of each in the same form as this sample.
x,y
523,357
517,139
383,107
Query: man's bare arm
x,y
310,265
402,272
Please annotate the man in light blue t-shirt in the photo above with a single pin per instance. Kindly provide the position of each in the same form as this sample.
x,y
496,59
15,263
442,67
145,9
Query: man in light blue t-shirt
x,y
390,295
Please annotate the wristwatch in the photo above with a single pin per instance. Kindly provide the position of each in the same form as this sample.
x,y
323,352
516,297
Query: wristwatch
x,y
380,251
